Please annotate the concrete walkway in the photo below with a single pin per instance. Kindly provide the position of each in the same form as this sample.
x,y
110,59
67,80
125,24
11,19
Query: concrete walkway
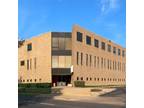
x,y
84,92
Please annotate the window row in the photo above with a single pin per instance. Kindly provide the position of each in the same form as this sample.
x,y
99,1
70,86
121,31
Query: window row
x,y
29,63
99,79
103,44
99,62
61,61
29,80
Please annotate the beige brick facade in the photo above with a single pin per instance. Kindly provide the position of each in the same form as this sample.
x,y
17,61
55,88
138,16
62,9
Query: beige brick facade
x,y
97,75
41,51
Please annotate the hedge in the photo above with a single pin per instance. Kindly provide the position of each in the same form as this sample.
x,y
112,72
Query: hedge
x,y
35,85
40,88
79,83
35,90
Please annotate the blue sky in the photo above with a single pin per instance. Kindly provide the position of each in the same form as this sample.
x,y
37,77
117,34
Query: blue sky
x,y
104,17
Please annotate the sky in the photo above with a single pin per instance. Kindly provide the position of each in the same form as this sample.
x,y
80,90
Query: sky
x,y
106,18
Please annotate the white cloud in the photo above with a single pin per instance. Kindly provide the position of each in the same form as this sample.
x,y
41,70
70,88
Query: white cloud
x,y
108,5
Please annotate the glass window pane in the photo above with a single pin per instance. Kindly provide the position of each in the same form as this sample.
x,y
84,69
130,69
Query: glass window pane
x,y
55,43
79,36
61,43
61,61
54,61
68,61
68,43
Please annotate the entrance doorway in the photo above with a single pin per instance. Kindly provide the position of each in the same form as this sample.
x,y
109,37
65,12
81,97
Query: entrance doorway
x,y
61,80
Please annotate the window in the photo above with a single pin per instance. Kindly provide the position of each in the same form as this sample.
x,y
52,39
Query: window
x,y
77,78
55,43
109,48
40,80
61,43
113,65
97,79
23,80
104,63
94,61
35,80
81,58
28,64
77,57
67,61
82,78
22,63
68,44
29,47
90,60
101,62
86,59
61,61
31,80
119,52
55,61
103,45
27,80
123,53
79,37
96,43
87,78
98,62
114,50
90,78
35,62
101,79
88,40
108,63
120,66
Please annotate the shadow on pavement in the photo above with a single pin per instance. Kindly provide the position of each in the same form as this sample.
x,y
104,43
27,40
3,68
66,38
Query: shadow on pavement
x,y
115,93
25,99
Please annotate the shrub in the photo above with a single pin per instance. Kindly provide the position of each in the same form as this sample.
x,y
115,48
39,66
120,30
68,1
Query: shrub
x,y
96,90
34,88
35,85
79,83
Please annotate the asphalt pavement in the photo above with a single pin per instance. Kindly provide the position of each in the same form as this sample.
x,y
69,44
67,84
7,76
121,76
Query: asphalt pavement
x,y
115,99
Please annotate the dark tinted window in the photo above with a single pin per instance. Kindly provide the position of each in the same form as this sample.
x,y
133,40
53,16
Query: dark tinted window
x,y
123,53
114,50
27,64
119,52
77,58
22,63
81,58
88,40
29,47
109,48
96,43
79,36
103,45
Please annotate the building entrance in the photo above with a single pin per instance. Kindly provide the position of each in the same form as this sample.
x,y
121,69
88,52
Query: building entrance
x,y
61,80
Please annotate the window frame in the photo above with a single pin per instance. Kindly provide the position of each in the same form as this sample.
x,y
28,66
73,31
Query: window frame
x,y
79,37
88,40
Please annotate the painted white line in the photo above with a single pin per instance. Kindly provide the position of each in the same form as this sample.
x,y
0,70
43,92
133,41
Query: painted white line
x,y
50,104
